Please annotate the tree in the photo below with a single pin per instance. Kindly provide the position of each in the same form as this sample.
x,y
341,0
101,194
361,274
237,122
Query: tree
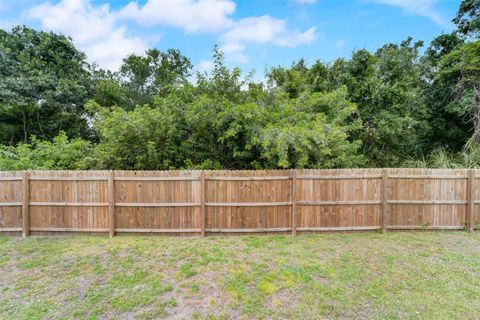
x,y
387,107
44,83
449,130
395,114
153,74
468,18
312,131
108,91
293,80
142,139
462,67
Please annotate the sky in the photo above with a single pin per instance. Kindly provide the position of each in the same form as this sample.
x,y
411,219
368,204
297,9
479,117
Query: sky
x,y
253,34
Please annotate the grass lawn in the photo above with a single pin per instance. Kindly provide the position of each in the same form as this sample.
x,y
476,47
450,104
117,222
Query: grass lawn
x,y
424,275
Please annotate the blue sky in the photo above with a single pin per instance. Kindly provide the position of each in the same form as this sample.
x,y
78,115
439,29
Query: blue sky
x,y
253,34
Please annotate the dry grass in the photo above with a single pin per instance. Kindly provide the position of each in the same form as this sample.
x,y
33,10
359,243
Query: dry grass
x,y
372,276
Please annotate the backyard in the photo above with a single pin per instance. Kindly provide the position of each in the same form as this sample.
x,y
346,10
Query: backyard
x,y
427,275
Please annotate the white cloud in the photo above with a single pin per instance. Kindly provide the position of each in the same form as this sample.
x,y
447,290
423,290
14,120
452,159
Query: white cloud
x,y
263,30
237,56
418,7
190,15
93,30
104,36
110,51
235,52
233,47
76,18
205,66
266,29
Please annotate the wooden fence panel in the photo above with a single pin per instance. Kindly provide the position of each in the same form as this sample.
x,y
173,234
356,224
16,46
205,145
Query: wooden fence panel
x,y
157,201
11,201
248,201
339,199
427,198
182,202
68,201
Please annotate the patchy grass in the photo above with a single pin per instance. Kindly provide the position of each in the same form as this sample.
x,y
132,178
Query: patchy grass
x,y
399,275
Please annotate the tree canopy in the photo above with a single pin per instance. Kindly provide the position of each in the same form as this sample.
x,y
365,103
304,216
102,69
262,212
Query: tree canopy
x,y
44,85
403,104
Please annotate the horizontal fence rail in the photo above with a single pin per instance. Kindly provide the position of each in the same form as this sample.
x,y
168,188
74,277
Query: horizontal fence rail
x,y
238,202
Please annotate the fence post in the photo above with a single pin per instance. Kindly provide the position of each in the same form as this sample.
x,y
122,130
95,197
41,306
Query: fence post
x,y
384,200
202,203
294,201
470,200
111,203
25,204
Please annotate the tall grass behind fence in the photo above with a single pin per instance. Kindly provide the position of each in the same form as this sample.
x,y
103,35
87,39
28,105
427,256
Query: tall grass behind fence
x,y
238,202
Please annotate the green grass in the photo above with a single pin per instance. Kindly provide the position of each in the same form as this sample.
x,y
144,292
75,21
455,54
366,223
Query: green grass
x,y
424,275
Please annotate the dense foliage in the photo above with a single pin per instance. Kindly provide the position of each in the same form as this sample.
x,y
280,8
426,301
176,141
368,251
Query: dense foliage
x,y
402,105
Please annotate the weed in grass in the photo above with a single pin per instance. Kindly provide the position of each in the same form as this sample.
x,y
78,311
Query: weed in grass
x,y
122,280
266,286
186,270
4,240
4,259
195,287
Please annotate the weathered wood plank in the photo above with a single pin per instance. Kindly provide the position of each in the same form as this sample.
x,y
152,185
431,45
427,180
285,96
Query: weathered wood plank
x,y
157,204
439,202
202,204
157,178
273,178
111,203
26,204
294,202
247,204
384,200
339,203
69,204
426,177
470,200
37,178
49,229
249,230
10,229
394,227
335,177
157,230
338,228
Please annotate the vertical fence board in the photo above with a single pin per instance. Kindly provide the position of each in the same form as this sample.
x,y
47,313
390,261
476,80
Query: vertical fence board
x,y
294,202
470,200
25,204
384,200
111,204
202,207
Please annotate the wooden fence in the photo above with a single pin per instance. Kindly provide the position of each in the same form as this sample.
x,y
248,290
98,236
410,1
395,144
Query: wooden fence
x,y
210,202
